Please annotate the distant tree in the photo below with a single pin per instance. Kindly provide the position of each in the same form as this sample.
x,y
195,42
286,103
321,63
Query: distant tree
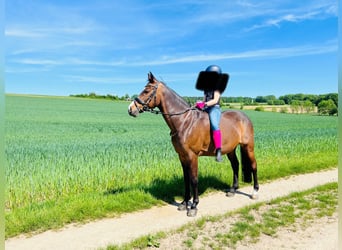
x,y
276,102
247,100
333,111
260,108
283,110
221,103
286,98
292,97
295,106
279,102
299,97
334,97
270,98
327,107
260,99
312,98
331,96
308,106
92,95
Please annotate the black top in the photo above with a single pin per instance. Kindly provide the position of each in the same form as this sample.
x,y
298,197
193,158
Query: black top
x,y
209,95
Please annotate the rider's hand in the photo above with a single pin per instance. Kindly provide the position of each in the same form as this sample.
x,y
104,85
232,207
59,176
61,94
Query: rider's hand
x,y
200,104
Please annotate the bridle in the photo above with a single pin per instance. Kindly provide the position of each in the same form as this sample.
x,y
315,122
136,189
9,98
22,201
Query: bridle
x,y
145,104
146,107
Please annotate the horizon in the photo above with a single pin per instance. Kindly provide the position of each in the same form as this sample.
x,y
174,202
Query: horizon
x,y
61,48
223,96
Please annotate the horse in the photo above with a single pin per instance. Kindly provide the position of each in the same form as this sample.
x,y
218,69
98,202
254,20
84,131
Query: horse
x,y
191,137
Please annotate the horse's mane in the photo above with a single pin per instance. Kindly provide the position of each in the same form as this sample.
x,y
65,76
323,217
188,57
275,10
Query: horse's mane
x,y
180,100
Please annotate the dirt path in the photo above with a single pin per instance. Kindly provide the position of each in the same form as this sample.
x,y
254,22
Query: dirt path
x,y
130,226
323,235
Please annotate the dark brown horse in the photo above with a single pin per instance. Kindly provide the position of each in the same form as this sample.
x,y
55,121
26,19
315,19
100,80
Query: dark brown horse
x,y
190,136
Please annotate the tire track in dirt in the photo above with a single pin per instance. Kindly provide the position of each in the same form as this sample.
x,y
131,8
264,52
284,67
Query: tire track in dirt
x,y
133,225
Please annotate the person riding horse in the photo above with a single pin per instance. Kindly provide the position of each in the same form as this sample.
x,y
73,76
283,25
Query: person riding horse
x,y
191,136
213,82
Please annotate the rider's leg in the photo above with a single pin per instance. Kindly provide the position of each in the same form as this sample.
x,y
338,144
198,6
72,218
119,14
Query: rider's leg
x,y
217,143
215,116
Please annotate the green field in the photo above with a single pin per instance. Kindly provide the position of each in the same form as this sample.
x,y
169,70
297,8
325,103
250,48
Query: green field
x,y
71,160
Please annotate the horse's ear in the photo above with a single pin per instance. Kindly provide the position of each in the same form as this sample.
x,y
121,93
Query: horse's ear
x,y
151,77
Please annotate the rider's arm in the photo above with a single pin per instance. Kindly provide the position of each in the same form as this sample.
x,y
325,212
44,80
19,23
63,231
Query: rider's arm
x,y
215,100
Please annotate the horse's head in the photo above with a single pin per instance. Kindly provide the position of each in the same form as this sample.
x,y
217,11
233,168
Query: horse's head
x,y
148,98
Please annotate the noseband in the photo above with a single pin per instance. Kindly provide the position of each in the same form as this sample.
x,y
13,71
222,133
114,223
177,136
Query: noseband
x,y
145,104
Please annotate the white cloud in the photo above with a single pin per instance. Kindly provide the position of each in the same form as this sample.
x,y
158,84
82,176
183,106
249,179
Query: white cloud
x,y
100,80
23,33
285,52
313,11
65,61
254,54
46,62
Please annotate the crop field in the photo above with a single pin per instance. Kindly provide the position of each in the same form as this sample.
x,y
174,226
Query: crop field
x,y
71,159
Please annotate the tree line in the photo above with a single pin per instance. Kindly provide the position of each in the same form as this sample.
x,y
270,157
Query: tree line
x,y
93,95
327,104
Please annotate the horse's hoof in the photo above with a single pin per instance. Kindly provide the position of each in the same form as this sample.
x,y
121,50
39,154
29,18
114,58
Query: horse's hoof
x,y
255,195
182,207
231,192
192,212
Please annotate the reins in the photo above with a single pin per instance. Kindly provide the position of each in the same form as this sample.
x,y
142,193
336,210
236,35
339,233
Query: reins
x,y
157,112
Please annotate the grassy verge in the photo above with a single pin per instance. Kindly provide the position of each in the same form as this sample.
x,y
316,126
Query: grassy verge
x,y
245,226
81,208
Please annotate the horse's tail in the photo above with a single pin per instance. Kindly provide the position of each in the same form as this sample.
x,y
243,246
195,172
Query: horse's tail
x,y
246,165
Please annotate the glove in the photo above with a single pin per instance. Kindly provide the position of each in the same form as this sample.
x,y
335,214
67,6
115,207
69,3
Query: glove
x,y
200,104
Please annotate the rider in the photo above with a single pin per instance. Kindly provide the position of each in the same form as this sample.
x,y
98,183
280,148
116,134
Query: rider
x,y
213,82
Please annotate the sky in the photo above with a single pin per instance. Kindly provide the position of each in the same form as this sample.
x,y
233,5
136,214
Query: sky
x,y
63,47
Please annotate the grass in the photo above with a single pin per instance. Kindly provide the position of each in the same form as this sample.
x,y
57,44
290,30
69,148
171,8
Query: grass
x,y
73,160
245,226
84,207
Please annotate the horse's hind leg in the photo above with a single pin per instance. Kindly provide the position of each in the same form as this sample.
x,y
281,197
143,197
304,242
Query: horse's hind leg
x,y
250,167
235,166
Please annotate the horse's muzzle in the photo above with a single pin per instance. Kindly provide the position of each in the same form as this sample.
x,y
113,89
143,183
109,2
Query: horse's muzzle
x,y
132,114
132,110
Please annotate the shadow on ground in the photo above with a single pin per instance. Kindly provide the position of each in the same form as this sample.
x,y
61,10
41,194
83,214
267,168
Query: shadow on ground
x,y
170,189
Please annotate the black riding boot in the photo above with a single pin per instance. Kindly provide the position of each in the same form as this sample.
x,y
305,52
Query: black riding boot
x,y
218,155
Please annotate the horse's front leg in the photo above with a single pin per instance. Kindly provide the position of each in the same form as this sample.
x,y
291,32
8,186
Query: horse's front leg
x,y
193,173
190,171
186,202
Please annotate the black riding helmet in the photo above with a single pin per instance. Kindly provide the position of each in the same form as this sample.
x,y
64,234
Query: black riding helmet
x,y
214,68
212,79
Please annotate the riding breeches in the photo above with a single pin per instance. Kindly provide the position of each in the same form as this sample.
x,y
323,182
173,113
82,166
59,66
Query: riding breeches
x,y
214,117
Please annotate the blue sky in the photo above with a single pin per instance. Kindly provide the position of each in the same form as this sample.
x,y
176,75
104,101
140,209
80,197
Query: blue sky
x,y
62,47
